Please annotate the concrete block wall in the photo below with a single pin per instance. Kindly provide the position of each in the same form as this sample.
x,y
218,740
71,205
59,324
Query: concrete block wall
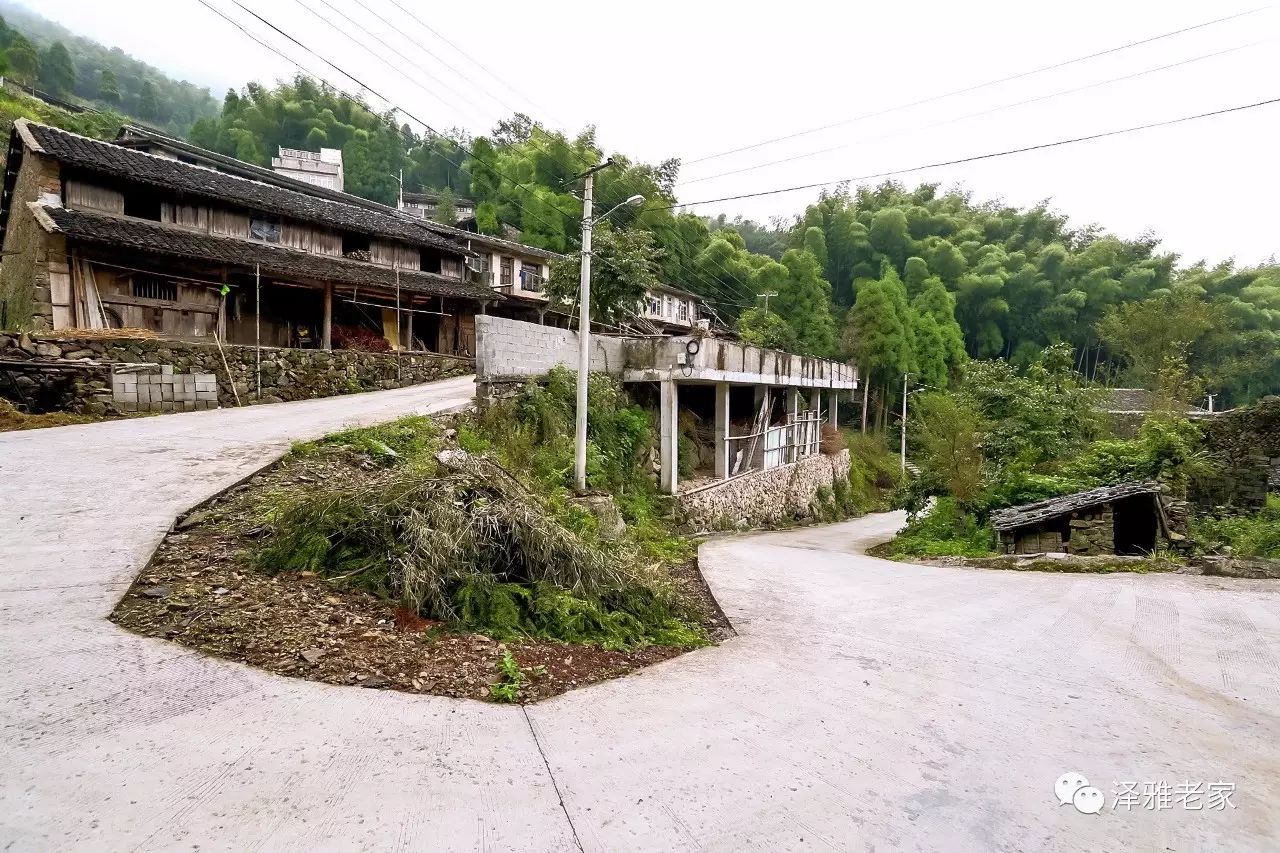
x,y
162,390
512,349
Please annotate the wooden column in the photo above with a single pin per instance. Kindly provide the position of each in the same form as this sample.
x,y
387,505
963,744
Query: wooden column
x,y
408,319
669,437
722,430
326,326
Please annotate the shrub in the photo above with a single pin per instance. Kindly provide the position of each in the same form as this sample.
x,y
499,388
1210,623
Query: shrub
x,y
1247,535
944,531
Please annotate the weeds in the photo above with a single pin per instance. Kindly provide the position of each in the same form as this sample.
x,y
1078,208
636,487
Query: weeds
x,y
508,554
511,678
1246,535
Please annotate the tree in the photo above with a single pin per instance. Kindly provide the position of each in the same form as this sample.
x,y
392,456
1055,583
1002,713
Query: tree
x,y
804,300
57,72
935,302
24,60
446,210
766,330
108,88
148,101
949,435
624,266
876,335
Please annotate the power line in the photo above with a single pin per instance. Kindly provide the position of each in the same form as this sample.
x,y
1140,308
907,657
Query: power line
x,y
383,59
977,157
974,88
393,106
466,55
978,114
428,52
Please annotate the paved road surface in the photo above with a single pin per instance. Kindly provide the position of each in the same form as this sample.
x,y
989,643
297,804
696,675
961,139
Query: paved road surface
x,y
864,705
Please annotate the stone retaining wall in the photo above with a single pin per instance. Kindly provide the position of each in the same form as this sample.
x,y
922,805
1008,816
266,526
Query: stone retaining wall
x,y
762,498
287,374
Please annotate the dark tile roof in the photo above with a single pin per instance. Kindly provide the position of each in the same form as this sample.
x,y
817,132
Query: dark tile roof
x,y
1034,513
432,197
123,162
141,235
133,135
493,242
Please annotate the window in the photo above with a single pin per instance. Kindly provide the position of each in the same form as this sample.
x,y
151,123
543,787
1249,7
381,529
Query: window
x,y
531,277
142,204
682,310
151,287
655,307
355,243
506,271
264,229
666,306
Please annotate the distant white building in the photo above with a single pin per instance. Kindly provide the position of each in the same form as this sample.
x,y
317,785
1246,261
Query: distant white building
x,y
426,204
321,169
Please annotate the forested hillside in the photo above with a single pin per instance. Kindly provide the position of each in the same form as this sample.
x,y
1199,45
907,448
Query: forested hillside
x,y
40,53
899,279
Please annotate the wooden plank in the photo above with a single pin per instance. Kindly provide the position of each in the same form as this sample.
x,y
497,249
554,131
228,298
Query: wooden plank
x,y
84,195
164,304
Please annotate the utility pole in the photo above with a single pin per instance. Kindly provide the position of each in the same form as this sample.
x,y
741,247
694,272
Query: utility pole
x,y
584,332
905,377
766,296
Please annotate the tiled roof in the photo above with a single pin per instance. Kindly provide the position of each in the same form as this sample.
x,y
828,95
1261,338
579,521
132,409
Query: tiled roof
x,y
147,236
120,161
1034,513
495,242
133,135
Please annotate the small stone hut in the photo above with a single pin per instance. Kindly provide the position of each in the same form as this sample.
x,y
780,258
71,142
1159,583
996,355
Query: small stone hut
x,y
1128,519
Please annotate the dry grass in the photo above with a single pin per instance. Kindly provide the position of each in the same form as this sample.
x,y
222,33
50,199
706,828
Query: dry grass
x,y
11,419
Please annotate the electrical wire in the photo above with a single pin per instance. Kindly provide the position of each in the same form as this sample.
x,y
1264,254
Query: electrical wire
x,y
978,114
950,94
978,157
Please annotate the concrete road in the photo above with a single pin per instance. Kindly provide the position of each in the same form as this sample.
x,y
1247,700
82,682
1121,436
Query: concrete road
x,y
865,704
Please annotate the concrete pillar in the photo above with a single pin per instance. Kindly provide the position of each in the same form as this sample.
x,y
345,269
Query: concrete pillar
x,y
669,437
833,408
408,327
793,395
326,325
722,430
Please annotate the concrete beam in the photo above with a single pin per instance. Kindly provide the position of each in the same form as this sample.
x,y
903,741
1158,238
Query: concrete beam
x,y
722,430
669,437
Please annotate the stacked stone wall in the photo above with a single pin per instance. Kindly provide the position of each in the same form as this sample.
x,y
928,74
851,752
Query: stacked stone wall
x,y
762,498
103,365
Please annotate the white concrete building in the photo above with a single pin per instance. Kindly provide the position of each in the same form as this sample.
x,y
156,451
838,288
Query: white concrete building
x,y
321,168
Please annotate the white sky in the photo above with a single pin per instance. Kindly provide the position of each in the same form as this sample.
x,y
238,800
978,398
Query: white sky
x,y
689,79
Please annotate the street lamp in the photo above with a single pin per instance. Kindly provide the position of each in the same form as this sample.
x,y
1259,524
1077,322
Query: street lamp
x,y
584,321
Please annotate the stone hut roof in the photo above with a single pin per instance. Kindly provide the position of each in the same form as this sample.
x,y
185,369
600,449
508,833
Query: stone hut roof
x,y
1034,513
1127,400
142,235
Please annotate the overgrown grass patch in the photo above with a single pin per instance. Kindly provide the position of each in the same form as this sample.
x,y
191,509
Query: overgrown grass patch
x,y
943,531
501,548
1255,535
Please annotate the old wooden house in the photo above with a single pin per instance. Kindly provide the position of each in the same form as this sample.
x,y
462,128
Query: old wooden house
x,y
149,232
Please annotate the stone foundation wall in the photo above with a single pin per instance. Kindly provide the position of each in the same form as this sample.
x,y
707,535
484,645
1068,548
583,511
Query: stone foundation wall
x,y
1093,532
287,374
762,498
